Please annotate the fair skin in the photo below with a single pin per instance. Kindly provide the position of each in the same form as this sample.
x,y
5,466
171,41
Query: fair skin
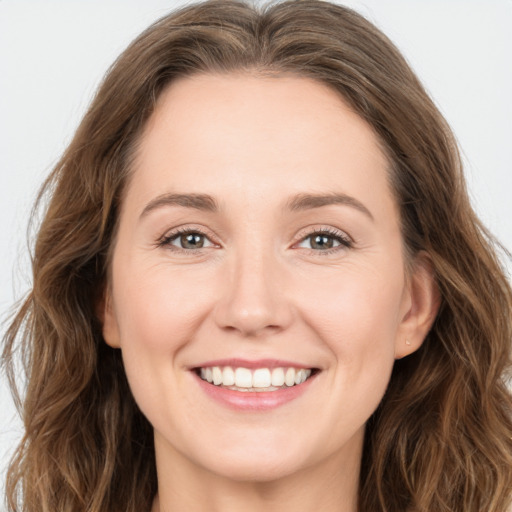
x,y
261,273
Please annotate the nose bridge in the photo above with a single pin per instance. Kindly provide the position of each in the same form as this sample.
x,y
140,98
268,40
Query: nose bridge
x,y
253,300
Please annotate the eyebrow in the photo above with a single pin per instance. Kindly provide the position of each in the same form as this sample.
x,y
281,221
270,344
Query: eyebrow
x,y
309,201
299,202
202,202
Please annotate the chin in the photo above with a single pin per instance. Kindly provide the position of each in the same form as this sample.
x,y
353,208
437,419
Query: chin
x,y
262,470
257,461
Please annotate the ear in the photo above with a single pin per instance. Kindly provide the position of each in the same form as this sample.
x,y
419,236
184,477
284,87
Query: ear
x,y
421,307
108,320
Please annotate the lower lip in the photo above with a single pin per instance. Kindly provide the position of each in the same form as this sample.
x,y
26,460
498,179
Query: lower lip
x,y
253,400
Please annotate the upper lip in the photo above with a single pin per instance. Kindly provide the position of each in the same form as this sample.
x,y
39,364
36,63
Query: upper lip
x,y
253,364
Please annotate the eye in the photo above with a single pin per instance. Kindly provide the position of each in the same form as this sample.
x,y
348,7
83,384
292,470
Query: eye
x,y
186,240
325,241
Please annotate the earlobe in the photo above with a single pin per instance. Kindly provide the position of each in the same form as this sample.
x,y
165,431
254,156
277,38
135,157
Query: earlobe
x,y
108,320
424,304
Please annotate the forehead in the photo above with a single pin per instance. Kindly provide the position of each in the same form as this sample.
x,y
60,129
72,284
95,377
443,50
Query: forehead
x,y
252,135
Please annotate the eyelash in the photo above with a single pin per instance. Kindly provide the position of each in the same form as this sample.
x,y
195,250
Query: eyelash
x,y
165,241
345,242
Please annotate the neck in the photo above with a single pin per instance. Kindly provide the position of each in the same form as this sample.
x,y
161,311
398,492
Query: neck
x,y
329,486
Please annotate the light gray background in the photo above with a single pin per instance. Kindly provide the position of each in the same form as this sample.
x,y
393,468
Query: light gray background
x,y
54,53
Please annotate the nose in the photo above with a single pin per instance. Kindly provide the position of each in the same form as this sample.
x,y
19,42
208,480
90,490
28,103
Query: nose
x,y
252,300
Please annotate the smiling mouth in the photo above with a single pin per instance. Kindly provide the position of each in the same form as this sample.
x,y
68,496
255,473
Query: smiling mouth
x,y
255,380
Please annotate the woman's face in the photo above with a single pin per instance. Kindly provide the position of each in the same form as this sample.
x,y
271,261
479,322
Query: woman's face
x,y
259,234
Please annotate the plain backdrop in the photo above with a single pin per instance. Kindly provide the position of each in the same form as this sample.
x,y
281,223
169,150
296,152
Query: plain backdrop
x,y
54,53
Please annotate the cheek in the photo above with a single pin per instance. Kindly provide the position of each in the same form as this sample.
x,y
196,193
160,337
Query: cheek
x,y
356,314
157,313
157,308
355,303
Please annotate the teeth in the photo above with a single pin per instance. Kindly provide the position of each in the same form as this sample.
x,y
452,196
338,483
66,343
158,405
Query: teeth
x,y
277,377
243,378
228,376
300,376
217,375
289,378
261,379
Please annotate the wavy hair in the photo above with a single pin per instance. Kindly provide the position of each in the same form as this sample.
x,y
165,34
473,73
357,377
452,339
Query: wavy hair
x,y
441,440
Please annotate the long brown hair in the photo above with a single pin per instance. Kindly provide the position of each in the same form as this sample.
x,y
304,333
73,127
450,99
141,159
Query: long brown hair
x,y
441,440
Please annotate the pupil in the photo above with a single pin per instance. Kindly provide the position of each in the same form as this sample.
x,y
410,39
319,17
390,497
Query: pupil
x,y
191,240
322,242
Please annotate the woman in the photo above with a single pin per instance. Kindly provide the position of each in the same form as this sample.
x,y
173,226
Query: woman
x,y
259,283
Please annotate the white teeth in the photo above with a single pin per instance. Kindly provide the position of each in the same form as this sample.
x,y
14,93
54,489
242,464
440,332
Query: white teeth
x,y
300,376
277,377
243,378
228,376
261,379
217,375
289,378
